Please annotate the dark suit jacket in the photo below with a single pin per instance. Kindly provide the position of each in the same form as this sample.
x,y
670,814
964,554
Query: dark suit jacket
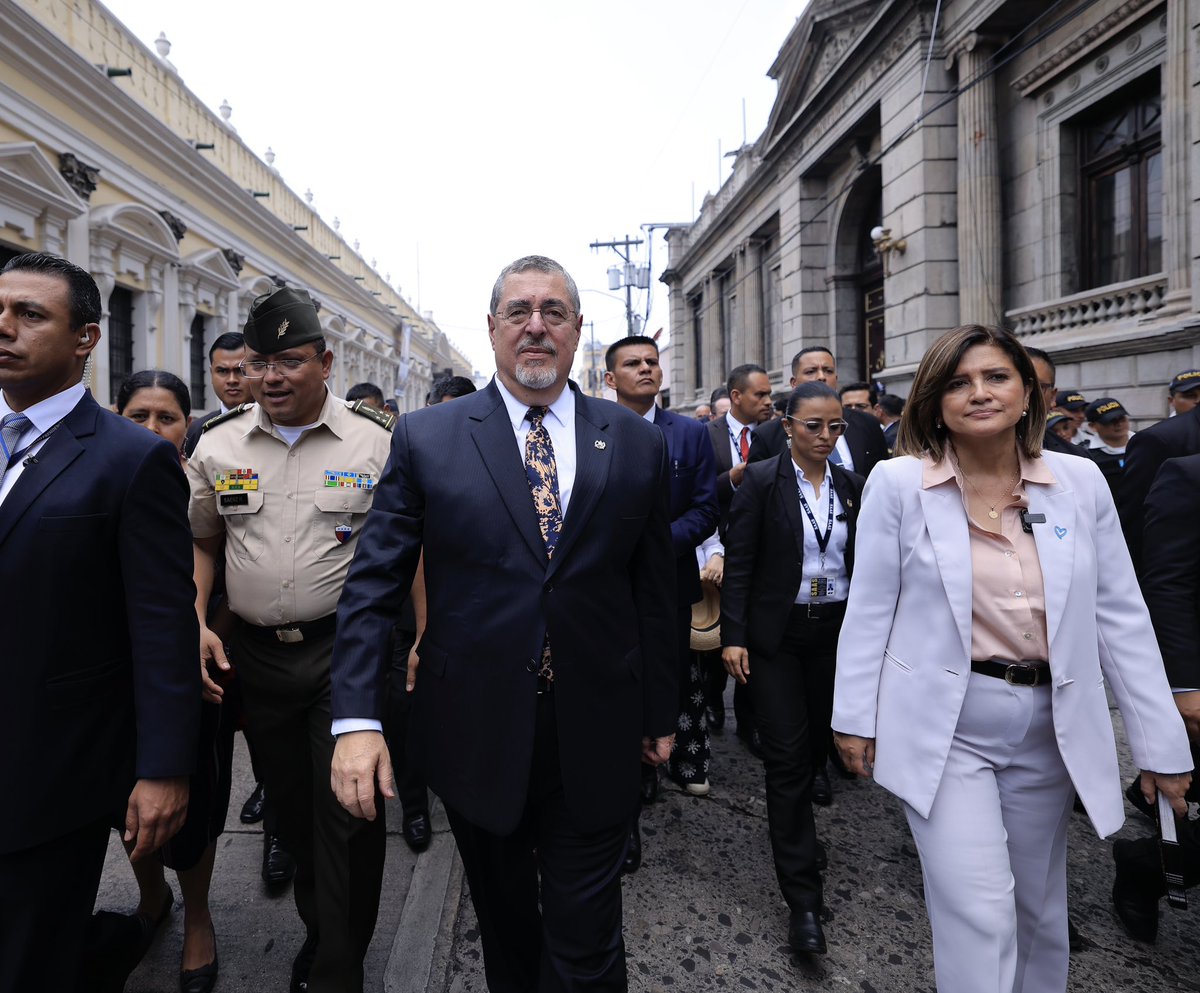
x,y
718,434
693,510
864,437
101,680
1171,581
455,485
1147,451
195,429
764,551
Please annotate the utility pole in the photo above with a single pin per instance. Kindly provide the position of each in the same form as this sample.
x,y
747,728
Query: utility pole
x,y
634,275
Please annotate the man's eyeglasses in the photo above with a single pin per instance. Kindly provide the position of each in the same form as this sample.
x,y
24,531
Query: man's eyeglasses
x,y
257,368
815,426
553,315
862,405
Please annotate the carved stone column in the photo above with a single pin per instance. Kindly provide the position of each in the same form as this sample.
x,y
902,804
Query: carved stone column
x,y
1177,97
980,221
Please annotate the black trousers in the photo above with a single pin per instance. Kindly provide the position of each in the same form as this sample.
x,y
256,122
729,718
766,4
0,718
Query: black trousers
x,y
410,786
574,943
46,898
339,858
793,704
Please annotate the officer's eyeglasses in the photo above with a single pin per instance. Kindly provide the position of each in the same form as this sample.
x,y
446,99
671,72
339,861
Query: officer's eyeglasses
x,y
553,316
816,426
257,368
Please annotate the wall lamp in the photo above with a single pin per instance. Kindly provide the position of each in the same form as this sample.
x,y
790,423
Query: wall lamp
x,y
299,227
202,146
333,257
258,193
361,279
112,72
885,244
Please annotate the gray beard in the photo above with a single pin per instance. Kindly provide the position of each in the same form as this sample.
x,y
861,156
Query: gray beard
x,y
536,377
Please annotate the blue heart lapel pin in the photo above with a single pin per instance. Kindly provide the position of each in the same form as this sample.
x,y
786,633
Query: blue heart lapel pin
x,y
1060,532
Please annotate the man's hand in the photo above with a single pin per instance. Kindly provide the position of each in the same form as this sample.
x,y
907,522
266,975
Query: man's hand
x,y
737,662
736,473
858,754
358,758
1172,786
656,751
154,814
212,649
1189,710
414,662
714,569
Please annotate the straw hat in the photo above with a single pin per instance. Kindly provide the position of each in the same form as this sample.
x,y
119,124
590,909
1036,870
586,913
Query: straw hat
x,y
706,619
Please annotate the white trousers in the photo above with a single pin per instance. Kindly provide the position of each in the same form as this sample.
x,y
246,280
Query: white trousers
x,y
994,847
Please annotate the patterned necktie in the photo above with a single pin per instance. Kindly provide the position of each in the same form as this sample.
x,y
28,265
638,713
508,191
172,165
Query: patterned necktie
x,y
12,426
542,474
744,444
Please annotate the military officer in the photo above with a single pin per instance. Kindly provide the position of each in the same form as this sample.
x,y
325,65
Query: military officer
x,y
285,484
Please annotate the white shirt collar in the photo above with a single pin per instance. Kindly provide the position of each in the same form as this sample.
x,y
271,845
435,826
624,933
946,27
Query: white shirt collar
x,y
44,414
735,426
563,409
649,415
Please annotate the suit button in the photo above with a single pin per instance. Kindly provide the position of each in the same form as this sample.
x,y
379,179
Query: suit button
x,y
548,588
532,666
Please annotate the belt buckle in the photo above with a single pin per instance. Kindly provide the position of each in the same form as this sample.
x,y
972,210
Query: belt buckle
x,y
289,636
1027,675
810,613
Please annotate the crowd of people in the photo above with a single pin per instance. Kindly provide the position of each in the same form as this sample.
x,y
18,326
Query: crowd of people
x,y
388,606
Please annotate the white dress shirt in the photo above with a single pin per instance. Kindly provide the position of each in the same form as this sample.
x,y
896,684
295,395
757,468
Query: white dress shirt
x,y
43,415
835,552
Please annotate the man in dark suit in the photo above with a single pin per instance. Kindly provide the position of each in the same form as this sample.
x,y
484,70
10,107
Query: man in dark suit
x,y
101,704
547,666
225,375
1171,541
1148,449
634,373
862,445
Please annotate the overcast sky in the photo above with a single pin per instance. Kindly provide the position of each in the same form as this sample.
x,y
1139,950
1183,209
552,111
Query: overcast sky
x,y
463,135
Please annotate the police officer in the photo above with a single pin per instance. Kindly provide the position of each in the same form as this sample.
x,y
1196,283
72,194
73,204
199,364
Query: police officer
x,y
285,484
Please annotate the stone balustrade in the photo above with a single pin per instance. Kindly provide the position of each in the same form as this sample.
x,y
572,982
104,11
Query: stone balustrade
x,y
1132,300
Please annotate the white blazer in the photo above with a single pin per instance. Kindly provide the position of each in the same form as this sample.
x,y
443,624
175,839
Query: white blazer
x,y
904,656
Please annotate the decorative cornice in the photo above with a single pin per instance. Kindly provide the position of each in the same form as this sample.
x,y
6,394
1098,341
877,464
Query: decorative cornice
x,y
176,224
82,177
236,260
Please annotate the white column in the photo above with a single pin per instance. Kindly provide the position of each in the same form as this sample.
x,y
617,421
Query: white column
x,y
1177,96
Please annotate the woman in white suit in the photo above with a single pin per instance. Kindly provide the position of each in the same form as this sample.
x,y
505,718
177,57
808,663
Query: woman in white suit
x,y
992,599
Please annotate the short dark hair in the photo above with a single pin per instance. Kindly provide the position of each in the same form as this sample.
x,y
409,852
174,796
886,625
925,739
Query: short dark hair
x,y
83,293
230,341
815,390
921,428
853,387
610,356
1037,353
719,392
741,376
450,386
808,351
365,391
892,405
149,379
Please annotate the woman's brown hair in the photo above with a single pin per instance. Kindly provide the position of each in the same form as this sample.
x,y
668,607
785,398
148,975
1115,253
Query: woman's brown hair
x,y
921,427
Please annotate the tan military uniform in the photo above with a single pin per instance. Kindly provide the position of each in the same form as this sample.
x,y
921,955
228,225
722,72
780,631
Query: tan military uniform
x,y
291,515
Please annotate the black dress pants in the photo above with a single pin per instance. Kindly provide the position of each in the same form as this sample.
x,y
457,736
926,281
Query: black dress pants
x,y
46,898
574,943
793,704
339,857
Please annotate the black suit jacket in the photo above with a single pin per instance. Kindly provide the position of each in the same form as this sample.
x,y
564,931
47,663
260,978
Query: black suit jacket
x,y
455,485
1171,579
101,682
764,551
693,509
864,437
718,434
196,429
1148,449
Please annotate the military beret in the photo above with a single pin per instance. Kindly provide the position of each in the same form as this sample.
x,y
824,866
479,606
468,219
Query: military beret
x,y
282,319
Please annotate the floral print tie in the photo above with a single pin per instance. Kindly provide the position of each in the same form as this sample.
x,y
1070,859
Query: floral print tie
x,y
542,474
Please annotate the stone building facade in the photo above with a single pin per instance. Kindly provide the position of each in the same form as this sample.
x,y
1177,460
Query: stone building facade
x,y
1032,164
181,224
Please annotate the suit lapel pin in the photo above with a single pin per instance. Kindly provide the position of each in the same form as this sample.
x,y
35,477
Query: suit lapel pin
x,y
601,445
1060,532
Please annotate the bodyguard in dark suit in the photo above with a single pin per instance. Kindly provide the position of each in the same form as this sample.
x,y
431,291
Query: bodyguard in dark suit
x,y
733,434
860,447
1147,451
225,376
547,666
101,702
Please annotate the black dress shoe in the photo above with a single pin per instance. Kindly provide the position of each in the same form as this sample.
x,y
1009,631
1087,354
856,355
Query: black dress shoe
x,y
200,980
649,783
805,934
417,830
822,789
278,866
714,716
1136,909
252,809
115,946
633,854
302,965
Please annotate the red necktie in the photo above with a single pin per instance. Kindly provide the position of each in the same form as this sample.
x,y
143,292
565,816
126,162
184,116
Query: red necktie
x,y
744,443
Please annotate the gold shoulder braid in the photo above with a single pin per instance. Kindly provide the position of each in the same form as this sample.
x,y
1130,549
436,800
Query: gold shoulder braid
x,y
380,417
229,415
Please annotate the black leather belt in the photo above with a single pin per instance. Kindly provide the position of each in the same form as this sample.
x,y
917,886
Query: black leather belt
x,y
820,611
1014,673
297,631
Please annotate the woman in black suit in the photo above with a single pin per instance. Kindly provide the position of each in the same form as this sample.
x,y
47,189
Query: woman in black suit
x,y
789,553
